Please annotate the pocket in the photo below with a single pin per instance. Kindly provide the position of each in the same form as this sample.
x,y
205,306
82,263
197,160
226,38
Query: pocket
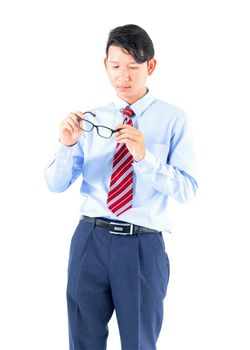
x,y
78,249
165,258
161,243
74,237
162,262
78,244
161,240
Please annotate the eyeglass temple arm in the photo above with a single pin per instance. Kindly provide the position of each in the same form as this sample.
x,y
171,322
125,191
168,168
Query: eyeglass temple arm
x,y
93,114
117,130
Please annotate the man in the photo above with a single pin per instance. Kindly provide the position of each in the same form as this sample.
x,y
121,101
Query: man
x,y
134,155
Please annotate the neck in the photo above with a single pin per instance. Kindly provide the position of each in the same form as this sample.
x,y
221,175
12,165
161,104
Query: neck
x,y
132,100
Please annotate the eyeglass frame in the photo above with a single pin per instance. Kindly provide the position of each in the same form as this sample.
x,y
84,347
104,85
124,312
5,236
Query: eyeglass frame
x,y
96,126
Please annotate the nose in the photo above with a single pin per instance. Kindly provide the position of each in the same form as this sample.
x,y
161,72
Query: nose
x,y
123,75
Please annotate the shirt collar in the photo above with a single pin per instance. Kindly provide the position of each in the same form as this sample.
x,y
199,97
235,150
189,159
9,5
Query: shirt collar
x,y
139,106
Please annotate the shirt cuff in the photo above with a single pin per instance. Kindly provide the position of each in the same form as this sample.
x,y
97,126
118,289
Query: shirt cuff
x,y
65,150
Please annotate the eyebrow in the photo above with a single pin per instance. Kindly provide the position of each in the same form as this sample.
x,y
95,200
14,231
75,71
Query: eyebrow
x,y
133,62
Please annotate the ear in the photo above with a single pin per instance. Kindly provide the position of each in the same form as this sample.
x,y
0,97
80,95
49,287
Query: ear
x,y
105,62
151,65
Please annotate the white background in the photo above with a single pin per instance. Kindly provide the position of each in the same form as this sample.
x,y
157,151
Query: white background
x,y
52,63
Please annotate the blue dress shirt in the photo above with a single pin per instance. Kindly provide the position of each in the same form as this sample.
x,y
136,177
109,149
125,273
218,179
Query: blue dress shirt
x,y
166,171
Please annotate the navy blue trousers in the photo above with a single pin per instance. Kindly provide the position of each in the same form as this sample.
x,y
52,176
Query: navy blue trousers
x,y
107,272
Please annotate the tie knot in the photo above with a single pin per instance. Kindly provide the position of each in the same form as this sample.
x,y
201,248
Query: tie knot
x,y
128,112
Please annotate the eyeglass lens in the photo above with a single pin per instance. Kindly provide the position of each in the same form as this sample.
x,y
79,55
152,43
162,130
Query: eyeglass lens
x,y
101,130
86,125
104,132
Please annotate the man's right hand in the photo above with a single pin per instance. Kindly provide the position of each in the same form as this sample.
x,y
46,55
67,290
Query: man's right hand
x,y
69,131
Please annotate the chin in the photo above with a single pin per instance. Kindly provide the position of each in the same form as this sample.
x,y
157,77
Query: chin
x,y
123,94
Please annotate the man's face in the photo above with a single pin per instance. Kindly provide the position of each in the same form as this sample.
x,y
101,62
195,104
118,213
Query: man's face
x,y
127,76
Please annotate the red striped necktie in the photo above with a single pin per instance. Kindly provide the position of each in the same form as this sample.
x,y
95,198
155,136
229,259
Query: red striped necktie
x,y
121,184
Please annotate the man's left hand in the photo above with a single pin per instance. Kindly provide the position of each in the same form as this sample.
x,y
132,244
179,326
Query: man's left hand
x,y
134,140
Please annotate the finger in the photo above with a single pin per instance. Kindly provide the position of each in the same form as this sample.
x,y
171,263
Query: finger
x,y
71,125
128,136
79,114
74,124
133,131
66,126
75,117
125,126
129,143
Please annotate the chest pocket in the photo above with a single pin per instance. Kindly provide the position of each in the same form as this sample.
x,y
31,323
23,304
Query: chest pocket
x,y
160,150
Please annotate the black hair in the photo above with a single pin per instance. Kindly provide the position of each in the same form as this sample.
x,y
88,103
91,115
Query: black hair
x,y
133,40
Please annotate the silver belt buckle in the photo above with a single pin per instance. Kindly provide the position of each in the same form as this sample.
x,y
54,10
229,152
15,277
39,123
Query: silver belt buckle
x,y
119,230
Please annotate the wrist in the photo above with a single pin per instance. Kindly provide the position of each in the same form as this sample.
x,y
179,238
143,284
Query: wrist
x,y
68,145
141,158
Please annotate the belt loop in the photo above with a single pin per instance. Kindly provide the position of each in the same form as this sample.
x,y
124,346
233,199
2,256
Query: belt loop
x,y
139,232
94,224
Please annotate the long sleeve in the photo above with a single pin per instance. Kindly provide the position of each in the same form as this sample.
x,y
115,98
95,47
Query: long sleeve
x,y
175,176
166,172
64,168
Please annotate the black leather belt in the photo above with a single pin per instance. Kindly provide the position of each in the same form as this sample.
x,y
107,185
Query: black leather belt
x,y
118,227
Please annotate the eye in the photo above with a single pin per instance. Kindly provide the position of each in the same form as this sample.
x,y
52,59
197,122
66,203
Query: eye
x,y
134,67
115,67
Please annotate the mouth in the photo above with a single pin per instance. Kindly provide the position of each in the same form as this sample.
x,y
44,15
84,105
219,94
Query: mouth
x,y
122,88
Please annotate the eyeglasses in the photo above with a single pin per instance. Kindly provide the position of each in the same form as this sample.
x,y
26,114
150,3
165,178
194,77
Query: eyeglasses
x,y
88,126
